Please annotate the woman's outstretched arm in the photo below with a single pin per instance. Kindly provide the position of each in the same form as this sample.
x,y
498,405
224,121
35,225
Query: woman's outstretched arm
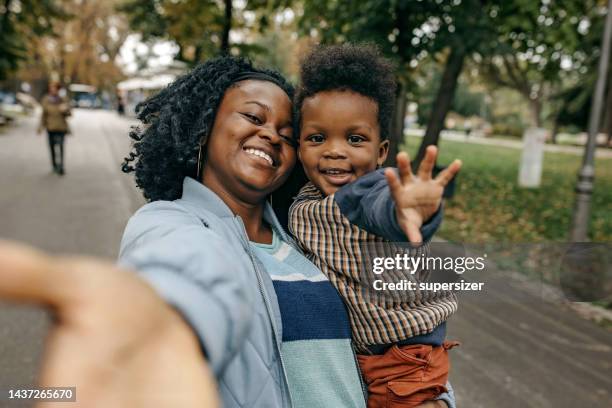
x,y
113,337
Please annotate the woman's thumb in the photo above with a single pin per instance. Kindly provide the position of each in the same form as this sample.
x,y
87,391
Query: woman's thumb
x,y
28,275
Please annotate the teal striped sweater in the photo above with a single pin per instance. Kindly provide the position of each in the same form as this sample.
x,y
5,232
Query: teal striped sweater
x,y
316,349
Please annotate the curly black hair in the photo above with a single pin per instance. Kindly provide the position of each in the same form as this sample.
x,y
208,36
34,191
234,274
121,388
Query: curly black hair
x,y
360,68
180,118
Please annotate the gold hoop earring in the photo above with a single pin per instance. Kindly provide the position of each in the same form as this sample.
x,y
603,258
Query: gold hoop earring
x,y
199,171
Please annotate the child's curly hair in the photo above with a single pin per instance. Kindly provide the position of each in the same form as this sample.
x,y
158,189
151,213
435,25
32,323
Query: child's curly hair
x,y
177,120
360,68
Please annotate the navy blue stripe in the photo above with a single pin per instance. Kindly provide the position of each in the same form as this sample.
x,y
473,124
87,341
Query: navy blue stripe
x,y
435,338
311,310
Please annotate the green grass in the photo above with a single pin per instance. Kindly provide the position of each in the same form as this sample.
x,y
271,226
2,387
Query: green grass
x,y
489,206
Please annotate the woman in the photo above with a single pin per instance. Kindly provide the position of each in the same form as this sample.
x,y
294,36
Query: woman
x,y
54,114
229,126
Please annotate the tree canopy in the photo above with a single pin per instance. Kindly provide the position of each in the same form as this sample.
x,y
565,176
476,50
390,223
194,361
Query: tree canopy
x,y
21,22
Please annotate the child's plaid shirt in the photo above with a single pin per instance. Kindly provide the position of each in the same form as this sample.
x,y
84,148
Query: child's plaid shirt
x,y
336,246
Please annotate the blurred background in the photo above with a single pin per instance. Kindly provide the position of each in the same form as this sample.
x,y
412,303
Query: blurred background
x,y
507,86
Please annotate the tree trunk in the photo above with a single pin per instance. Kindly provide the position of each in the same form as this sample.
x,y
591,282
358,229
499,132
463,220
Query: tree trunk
x,y
555,130
197,54
607,120
557,122
7,15
443,101
536,112
227,26
396,133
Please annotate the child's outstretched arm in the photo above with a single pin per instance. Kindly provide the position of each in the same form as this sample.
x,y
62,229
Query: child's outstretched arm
x,y
418,197
370,204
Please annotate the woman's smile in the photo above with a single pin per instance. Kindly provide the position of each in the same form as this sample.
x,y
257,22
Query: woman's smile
x,y
261,155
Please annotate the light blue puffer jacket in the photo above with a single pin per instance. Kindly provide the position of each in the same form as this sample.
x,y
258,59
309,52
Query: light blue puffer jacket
x,y
195,253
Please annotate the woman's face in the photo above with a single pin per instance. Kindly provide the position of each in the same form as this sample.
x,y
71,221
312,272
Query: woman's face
x,y
250,151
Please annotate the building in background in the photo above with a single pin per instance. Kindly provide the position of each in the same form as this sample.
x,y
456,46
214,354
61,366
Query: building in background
x,y
146,83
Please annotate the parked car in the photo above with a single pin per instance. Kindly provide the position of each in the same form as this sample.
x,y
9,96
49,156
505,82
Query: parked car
x,y
84,96
10,107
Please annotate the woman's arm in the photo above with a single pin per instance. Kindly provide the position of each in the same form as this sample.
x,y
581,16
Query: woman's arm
x,y
113,337
194,271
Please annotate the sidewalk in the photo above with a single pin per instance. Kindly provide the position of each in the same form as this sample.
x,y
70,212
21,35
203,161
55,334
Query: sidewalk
x,y
525,346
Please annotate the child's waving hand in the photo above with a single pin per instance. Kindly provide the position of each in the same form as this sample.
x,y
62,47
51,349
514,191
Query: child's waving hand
x,y
418,197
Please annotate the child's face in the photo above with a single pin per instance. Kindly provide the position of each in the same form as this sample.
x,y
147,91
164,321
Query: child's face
x,y
340,139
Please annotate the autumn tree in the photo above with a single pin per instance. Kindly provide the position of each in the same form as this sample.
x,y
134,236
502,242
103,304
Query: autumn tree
x,y
200,28
82,49
21,23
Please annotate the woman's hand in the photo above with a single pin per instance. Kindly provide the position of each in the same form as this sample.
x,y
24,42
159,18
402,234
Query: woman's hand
x,y
418,197
113,338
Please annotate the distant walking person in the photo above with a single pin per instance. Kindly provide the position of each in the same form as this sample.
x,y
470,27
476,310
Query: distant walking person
x,y
55,111
120,104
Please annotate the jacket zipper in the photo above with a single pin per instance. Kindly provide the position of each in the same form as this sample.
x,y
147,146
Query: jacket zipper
x,y
268,308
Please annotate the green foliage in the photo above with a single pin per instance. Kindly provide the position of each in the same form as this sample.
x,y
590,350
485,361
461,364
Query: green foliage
x,y
275,50
575,97
407,30
466,101
146,17
201,27
265,12
576,103
196,26
510,126
543,48
490,207
20,22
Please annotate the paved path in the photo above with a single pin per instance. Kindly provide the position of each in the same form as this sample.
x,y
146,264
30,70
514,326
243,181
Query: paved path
x,y
522,347
518,350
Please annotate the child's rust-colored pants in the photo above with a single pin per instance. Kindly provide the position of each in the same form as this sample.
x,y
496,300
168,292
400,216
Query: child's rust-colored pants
x,y
406,376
